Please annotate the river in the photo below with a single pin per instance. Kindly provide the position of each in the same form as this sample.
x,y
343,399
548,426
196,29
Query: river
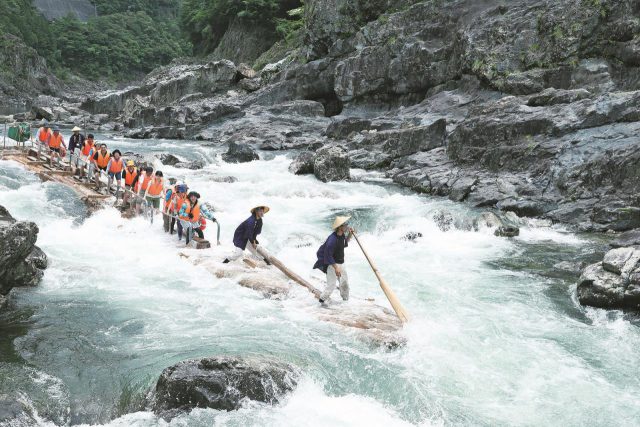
x,y
497,336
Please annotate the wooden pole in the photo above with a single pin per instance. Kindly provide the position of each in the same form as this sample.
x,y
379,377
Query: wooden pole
x,y
290,274
391,296
4,136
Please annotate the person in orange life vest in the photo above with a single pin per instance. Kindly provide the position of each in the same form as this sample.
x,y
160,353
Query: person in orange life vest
x,y
130,179
85,150
168,197
44,133
141,185
190,214
176,204
155,190
100,159
115,167
56,144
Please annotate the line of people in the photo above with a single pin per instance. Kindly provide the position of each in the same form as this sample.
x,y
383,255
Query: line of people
x,y
182,207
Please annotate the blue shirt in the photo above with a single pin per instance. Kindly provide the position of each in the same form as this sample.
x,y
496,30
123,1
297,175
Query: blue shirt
x,y
247,231
331,252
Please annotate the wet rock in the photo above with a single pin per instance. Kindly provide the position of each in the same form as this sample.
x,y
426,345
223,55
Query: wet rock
x,y
302,108
507,231
331,163
239,153
250,85
444,220
221,383
552,96
412,236
226,179
193,165
404,142
600,288
461,188
614,282
342,128
168,159
570,267
628,238
303,164
21,262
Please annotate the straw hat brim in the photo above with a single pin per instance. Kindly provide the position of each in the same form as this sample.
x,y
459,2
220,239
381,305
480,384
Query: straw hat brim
x,y
266,208
76,129
341,220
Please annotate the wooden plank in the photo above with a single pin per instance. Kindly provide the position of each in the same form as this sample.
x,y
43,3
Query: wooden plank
x,y
290,274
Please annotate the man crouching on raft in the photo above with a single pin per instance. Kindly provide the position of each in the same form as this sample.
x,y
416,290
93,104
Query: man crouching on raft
x,y
248,232
331,259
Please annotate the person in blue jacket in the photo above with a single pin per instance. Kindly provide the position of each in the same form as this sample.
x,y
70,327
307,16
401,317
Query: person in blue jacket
x,y
331,259
246,235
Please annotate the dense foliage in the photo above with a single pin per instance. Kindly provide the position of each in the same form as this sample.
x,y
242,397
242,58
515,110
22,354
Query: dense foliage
x,y
205,21
117,46
20,18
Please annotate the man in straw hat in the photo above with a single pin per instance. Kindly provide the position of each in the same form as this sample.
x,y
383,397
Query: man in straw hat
x,y
246,235
331,259
76,142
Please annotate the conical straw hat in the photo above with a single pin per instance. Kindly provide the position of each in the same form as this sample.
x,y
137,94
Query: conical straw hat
x,y
265,207
76,129
340,220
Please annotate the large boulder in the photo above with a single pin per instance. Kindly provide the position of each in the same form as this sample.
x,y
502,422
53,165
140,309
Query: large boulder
x,y
331,163
21,262
239,153
168,159
303,164
614,282
221,383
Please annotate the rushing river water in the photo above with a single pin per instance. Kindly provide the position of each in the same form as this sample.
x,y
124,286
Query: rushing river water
x,y
497,336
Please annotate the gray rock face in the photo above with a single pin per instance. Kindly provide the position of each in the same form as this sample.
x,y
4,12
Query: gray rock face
x,y
21,262
303,164
629,238
331,164
221,383
239,153
613,283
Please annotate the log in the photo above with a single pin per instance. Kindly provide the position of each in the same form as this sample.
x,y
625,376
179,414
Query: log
x,y
391,296
290,274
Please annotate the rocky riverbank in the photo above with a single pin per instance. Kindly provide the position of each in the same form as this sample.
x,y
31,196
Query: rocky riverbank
x,y
21,261
528,107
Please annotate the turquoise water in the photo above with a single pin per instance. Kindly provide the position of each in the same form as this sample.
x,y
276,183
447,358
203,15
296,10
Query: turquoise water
x,y
497,337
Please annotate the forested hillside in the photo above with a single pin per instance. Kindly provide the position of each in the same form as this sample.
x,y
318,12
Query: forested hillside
x,y
127,40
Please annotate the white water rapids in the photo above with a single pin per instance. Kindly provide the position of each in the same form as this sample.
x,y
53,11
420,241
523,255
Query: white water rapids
x,y
496,338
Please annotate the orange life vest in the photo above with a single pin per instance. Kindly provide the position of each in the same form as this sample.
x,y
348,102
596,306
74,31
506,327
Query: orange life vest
x,y
55,141
103,161
86,148
42,135
130,176
155,187
195,211
143,182
116,166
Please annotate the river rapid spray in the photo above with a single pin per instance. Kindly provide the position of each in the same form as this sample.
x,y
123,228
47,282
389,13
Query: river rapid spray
x,y
495,339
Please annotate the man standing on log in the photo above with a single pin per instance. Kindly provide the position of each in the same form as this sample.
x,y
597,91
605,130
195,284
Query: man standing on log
x,y
76,141
331,259
246,235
